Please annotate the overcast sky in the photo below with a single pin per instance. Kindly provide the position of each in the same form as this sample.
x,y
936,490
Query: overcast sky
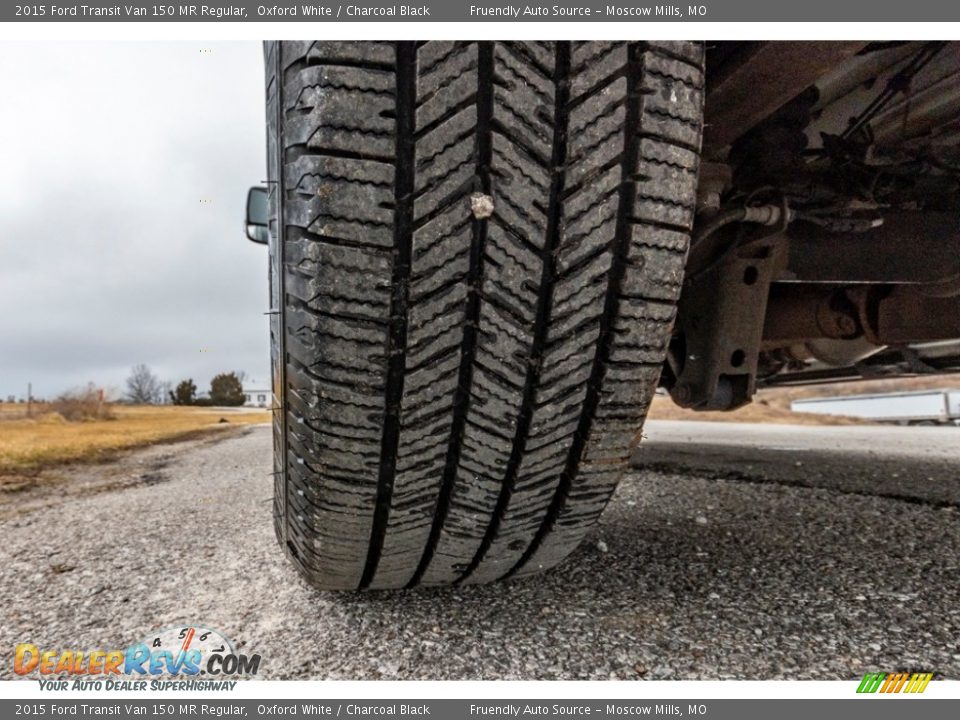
x,y
108,257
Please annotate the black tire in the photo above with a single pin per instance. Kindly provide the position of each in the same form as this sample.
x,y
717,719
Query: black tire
x,y
461,392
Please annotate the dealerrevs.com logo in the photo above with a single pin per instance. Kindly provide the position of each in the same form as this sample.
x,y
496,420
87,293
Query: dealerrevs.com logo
x,y
180,652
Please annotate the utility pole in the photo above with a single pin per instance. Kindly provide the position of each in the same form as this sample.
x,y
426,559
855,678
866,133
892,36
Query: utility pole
x,y
29,399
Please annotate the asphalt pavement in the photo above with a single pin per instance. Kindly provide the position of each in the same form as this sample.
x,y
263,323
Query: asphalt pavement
x,y
731,551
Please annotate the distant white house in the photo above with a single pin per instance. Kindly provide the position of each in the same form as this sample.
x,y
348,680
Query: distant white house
x,y
256,396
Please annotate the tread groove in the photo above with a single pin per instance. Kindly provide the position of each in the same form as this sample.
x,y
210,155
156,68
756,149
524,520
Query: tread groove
x,y
281,483
406,79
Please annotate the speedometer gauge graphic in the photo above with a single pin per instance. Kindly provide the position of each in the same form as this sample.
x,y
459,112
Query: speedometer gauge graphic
x,y
185,638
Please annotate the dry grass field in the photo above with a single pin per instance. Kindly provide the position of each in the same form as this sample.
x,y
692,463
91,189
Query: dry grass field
x,y
29,445
46,440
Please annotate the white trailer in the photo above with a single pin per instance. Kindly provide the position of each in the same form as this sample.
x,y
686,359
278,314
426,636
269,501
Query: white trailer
x,y
926,407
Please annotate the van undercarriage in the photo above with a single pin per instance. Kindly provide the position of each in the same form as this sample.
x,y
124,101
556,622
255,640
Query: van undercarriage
x,y
826,244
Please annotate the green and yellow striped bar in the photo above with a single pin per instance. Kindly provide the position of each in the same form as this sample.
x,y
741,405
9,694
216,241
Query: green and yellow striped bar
x,y
894,682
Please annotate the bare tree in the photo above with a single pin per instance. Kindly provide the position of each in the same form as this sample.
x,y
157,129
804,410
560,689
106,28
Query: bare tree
x,y
143,387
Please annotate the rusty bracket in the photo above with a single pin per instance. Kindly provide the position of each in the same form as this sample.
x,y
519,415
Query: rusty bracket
x,y
721,320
